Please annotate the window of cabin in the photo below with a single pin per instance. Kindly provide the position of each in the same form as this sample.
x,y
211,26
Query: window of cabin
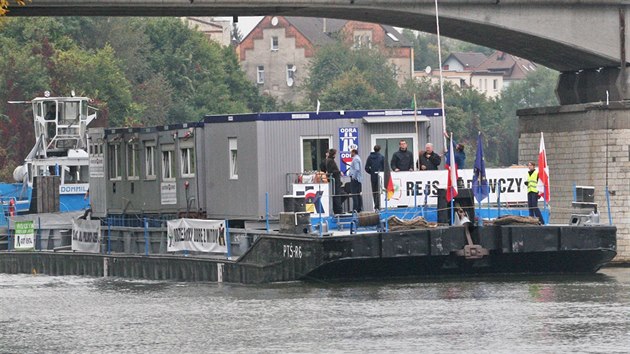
x,y
75,174
168,168
188,162
133,160
149,161
314,151
233,156
115,162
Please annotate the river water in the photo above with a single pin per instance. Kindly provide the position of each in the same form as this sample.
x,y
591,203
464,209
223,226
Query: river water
x,y
548,314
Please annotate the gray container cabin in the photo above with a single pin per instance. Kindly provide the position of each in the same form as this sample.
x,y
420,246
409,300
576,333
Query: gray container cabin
x,y
225,166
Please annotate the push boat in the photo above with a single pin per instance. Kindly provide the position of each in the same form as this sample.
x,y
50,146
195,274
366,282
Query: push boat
x,y
60,149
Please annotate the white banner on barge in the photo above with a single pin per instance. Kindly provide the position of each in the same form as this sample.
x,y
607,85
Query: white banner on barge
x,y
86,236
206,236
509,181
409,187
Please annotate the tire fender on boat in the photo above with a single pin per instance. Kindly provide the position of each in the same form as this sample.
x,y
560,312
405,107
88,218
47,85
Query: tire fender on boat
x,y
12,207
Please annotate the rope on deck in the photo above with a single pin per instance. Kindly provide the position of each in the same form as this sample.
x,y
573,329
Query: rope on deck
x,y
397,224
514,220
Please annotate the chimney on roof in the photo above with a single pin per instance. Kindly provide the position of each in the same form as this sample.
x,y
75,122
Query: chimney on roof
x,y
501,56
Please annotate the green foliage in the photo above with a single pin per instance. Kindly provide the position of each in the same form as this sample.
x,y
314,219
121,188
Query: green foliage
x,y
139,71
21,73
537,90
342,78
426,48
330,71
352,90
95,75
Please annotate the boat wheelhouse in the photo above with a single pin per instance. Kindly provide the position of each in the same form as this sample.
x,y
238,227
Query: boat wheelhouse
x,y
60,149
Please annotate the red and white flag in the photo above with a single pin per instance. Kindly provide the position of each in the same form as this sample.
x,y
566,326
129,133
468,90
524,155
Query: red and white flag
x,y
451,191
543,171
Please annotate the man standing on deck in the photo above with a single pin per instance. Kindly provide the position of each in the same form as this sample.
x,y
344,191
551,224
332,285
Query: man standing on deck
x,y
356,181
333,170
429,160
532,192
374,164
403,158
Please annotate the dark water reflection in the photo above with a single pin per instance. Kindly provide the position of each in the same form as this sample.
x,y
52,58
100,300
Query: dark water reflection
x,y
41,314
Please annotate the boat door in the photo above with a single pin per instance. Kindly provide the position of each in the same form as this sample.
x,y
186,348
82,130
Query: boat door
x,y
389,144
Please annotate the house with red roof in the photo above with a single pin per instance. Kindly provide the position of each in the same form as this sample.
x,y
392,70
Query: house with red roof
x,y
276,53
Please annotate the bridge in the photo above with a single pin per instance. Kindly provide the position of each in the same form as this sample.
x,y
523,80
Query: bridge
x,y
586,40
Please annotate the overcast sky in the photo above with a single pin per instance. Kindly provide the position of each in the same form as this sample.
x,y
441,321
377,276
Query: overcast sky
x,y
245,23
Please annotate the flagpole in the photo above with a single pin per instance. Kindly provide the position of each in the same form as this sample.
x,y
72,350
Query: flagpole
x,y
452,179
439,42
415,119
480,182
480,218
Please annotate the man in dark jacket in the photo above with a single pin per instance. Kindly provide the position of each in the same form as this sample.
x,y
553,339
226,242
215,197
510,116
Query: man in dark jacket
x,y
374,164
333,170
429,160
403,158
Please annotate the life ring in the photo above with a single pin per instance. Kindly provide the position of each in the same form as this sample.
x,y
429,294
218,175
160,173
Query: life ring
x,y
12,207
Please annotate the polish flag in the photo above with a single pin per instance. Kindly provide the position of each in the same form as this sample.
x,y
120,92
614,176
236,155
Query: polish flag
x,y
543,171
451,191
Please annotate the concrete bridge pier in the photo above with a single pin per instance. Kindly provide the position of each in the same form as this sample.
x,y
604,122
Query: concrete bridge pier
x,y
593,85
586,144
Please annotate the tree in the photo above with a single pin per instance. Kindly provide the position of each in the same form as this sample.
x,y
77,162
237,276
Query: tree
x,y
236,34
329,71
95,75
4,5
21,77
537,90
352,90
205,77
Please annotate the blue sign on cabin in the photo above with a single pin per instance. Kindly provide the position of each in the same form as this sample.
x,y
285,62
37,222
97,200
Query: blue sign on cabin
x,y
348,140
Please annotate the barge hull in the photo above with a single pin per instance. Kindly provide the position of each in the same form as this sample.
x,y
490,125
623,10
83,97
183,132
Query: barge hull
x,y
415,253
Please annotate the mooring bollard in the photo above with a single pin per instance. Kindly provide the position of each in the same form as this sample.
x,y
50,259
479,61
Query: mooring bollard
x,y
146,237
105,267
109,236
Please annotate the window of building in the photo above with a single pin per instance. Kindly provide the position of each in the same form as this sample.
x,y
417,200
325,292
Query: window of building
x,y
260,74
290,74
495,84
233,156
188,162
133,161
362,39
314,151
274,43
149,161
392,37
168,168
115,162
